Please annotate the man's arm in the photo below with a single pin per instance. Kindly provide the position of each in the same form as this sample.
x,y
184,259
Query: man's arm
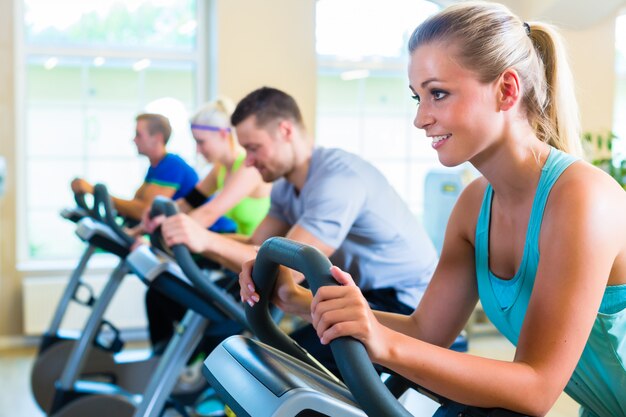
x,y
229,252
207,186
142,200
134,208
288,296
300,234
81,186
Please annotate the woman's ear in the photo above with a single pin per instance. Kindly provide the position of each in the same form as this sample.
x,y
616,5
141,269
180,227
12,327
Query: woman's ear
x,y
224,133
509,88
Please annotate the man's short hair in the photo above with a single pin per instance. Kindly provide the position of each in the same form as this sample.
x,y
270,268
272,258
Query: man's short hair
x,y
267,104
157,123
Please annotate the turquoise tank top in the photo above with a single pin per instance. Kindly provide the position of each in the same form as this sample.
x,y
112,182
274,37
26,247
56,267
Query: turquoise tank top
x,y
599,380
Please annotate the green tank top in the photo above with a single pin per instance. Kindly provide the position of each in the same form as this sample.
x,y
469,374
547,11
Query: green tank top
x,y
599,380
249,212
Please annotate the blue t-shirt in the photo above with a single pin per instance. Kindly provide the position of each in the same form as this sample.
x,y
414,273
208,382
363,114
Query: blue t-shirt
x,y
349,205
173,172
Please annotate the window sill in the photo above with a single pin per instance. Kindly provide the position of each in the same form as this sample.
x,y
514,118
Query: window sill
x,y
98,262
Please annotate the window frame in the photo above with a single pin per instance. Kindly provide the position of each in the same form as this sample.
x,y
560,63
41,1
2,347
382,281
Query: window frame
x,y
205,81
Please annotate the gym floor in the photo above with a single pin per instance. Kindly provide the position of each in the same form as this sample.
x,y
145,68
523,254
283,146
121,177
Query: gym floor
x,y
16,400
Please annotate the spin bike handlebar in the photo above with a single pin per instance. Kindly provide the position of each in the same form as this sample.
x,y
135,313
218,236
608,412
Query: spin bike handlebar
x,y
81,203
222,299
350,355
102,198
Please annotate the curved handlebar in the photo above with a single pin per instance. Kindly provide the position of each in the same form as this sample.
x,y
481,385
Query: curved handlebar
x,y
222,299
100,194
79,198
102,198
163,206
159,208
350,355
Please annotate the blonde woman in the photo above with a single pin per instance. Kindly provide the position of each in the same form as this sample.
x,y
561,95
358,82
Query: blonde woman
x,y
230,193
230,189
540,239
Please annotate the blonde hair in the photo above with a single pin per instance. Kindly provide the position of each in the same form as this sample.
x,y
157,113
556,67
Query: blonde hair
x,y
216,114
490,39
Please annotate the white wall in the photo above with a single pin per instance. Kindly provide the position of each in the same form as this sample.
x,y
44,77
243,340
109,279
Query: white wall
x,y
10,300
268,43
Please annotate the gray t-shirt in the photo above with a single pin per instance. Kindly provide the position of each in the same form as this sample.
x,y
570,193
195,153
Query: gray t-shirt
x,y
349,205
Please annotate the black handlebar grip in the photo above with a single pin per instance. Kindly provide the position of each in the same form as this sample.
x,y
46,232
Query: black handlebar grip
x,y
102,197
350,355
220,297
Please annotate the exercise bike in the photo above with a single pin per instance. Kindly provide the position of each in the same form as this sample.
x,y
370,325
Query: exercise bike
x,y
56,344
276,377
81,398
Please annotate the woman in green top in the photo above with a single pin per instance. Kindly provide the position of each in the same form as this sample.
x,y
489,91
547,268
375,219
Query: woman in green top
x,y
235,190
232,190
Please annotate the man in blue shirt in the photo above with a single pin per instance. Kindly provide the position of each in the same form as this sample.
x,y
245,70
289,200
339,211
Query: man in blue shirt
x,y
169,175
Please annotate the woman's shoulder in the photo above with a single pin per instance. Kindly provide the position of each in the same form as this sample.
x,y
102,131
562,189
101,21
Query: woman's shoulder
x,y
248,178
585,182
465,214
585,194
472,196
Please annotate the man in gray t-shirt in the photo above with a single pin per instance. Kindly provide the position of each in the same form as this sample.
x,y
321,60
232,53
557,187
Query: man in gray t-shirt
x,y
326,198
349,205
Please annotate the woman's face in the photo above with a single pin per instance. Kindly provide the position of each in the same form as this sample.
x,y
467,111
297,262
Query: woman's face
x,y
209,144
457,111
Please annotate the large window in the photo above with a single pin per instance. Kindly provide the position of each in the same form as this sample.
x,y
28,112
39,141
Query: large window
x,y
364,103
88,69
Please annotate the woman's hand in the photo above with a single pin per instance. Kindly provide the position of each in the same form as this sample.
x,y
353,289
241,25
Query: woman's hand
x,y
343,311
181,229
287,295
246,285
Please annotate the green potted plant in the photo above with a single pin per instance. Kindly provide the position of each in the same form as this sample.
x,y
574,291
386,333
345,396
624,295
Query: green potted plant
x,y
599,151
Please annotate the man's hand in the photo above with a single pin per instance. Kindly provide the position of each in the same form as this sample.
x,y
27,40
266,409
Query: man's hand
x,y
80,186
287,295
149,224
181,229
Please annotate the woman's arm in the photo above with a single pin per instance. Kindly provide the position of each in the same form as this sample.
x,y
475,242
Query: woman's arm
x,y
240,184
452,293
579,242
445,306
